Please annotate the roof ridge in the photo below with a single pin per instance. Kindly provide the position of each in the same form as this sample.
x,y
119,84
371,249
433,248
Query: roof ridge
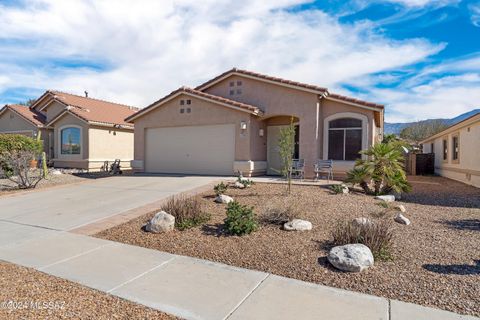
x,y
96,99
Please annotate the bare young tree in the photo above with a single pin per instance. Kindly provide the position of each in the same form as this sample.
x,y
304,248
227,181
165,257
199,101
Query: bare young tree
x,y
286,145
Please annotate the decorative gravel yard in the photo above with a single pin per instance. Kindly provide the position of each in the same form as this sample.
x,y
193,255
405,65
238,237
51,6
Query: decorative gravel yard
x,y
436,258
30,294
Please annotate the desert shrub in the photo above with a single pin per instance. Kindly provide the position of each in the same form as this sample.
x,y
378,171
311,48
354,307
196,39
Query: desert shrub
x,y
337,188
377,236
246,182
382,171
16,155
240,219
279,213
220,188
188,211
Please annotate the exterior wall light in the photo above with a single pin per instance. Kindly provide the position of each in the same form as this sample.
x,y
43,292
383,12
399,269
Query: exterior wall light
x,y
243,125
261,132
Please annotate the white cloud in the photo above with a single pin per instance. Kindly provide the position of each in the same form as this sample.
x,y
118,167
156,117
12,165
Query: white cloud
x,y
423,3
152,47
475,13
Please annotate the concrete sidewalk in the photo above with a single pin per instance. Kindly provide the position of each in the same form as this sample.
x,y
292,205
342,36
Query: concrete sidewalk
x,y
192,288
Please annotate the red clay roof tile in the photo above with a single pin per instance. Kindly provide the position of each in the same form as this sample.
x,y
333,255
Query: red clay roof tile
x,y
33,116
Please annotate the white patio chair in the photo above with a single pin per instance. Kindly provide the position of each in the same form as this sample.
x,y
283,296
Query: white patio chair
x,y
323,167
298,169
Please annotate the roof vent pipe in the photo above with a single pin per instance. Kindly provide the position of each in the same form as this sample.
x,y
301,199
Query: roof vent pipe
x,y
86,94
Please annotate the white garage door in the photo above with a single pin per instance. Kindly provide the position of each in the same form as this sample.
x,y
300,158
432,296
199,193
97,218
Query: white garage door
x,y
190,150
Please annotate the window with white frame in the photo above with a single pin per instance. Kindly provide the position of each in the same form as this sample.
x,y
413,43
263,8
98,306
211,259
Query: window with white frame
x,y
344,139
70,140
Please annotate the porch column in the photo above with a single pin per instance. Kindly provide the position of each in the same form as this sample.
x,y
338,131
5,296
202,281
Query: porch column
x,y
309,142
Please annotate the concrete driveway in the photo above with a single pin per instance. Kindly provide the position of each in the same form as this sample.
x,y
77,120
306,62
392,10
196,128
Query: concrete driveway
x,y
72,206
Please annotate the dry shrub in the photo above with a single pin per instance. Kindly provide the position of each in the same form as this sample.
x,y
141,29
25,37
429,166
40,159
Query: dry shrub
x,y
188,211
378,236
278,213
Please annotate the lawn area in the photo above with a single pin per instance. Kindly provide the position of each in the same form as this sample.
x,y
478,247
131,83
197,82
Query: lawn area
x,y
436,258
68,300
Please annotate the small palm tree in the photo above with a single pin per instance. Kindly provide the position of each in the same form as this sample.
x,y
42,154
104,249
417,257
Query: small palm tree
x,y
382,171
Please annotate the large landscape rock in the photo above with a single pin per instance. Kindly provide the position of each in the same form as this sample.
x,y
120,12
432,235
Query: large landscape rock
x,y
400,218
297,225
386,198
222,198
239,185
345,189
362,222
351,257
161,222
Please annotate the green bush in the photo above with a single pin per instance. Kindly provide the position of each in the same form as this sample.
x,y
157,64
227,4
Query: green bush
x,y
16,155
246,182
17,142
378,236
240,219
188,211
337,188
220,188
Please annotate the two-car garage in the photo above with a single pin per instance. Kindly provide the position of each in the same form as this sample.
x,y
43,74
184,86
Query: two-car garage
x,y
206,149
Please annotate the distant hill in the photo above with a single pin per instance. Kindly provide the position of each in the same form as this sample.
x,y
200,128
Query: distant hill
x,y
395,128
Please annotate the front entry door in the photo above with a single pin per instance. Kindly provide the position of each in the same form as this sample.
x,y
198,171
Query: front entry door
x,y
274,162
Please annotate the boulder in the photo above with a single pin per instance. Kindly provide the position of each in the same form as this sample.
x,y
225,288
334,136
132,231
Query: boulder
x,y
401,208
345,189
386,198
161,222
351,257
222,198
239,185
400,218
362,222
297,225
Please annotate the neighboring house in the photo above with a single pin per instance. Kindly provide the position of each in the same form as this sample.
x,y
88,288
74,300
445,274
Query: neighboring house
x,y
83,132
457,151
18,119
232,123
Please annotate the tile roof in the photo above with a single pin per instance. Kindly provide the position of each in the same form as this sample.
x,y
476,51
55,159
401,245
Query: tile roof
x,y
261,76
32,116
95,110
353,100
236,104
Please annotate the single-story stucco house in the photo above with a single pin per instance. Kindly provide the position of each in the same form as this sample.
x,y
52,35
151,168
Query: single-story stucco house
x,y
232,123
78,132
18,119
457,151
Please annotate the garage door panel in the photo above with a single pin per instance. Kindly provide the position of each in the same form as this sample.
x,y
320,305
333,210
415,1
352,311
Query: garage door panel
x,y
190,150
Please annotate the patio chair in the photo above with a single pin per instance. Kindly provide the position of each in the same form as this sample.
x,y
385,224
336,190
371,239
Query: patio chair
x,y
298,169
115,167
324,167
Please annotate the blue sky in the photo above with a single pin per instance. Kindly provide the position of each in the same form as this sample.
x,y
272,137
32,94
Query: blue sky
x,y
420,58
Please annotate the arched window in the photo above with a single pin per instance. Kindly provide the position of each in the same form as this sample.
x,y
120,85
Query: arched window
x,y
344,139
70,139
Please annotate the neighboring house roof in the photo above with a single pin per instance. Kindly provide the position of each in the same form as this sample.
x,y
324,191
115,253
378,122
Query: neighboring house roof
x,y
469,121
32,116
250,74
201,95
92,110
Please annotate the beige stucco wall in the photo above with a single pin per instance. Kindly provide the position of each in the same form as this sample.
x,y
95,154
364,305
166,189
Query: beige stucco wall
x,y
53,109
279,104
276,100
203,113
11,122
110,144
467,170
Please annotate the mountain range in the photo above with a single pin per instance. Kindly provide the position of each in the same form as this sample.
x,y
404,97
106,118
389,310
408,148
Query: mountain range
x,y
396,128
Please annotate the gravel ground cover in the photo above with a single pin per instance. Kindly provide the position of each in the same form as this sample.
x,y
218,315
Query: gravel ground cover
x,y
436,258
29,288
8,187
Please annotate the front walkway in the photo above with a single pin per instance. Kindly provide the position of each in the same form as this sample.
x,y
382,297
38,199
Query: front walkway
x,y
192,288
